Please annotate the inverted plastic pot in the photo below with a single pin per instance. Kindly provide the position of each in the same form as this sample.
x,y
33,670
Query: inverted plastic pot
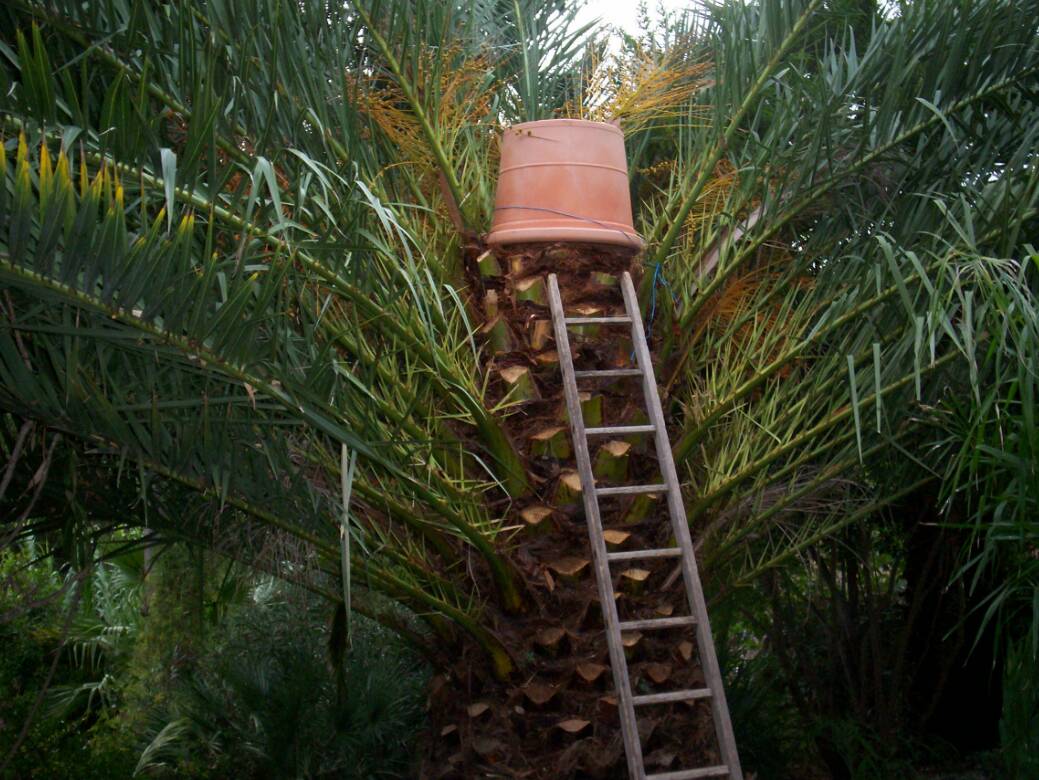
x,y
563,180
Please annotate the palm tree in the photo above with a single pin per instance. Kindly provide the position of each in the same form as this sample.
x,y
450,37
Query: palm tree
x,y
241,249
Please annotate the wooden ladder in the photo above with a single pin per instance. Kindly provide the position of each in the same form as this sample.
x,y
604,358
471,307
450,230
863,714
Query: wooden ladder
x,y
627,701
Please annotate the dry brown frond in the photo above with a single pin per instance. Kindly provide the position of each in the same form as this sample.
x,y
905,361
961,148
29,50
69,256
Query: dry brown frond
x,y
712,199
647,87
455,94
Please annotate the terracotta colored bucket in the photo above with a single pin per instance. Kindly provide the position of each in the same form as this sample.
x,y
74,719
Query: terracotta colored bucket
x,y
563,180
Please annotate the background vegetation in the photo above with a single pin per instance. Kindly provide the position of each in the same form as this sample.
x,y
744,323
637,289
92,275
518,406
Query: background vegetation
x,y
199,669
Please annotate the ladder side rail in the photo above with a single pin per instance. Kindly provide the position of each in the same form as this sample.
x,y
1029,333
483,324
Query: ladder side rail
x,y
694,590
618,663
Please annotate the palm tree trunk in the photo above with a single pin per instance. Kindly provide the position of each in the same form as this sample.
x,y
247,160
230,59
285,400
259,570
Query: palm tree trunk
x,y
557,716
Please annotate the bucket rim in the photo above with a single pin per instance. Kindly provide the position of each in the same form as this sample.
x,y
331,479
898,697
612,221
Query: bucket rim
x,y
520,234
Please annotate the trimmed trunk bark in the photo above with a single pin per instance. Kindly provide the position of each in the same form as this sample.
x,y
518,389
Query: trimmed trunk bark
x,y
557,716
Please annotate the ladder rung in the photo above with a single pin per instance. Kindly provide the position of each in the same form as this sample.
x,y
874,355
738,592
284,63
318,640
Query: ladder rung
x,y
627,490
631,555
664,698
595,320
618,430
670,622
608,372
691,774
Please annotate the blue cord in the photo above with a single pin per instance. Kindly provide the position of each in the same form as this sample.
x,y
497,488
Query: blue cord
x,y
658,278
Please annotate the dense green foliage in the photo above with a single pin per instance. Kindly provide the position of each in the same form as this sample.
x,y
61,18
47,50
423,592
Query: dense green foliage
x,y
230,264
30,637
220,674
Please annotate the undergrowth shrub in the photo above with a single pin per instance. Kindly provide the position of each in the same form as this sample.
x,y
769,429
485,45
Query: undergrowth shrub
x,y
264,701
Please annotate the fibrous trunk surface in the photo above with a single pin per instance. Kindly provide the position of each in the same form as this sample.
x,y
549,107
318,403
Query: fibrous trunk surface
x,y
557,717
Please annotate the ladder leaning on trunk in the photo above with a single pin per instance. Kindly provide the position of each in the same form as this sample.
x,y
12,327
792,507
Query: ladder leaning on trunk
x,y
627,701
